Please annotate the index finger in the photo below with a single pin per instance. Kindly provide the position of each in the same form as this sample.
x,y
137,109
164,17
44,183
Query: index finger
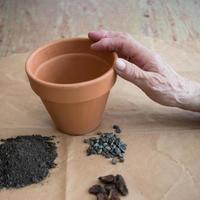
x,y
125,46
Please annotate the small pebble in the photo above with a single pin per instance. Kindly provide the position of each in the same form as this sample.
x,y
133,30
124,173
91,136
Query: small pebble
x,y
99,151
108,148
105,144
121,185
114,161
107,179
117,128
117,151
96,189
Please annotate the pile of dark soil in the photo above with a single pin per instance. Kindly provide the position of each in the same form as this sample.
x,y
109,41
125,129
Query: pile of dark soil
x,y
25,160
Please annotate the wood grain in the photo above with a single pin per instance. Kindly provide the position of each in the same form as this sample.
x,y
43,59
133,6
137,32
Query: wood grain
x,y
27,24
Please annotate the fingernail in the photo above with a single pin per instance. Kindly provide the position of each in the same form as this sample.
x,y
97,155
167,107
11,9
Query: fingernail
x,y
120,64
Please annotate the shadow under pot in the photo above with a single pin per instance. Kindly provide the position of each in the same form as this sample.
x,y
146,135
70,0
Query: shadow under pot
x,y
73,83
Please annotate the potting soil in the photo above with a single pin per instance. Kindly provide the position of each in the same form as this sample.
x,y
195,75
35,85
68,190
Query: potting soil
x,y
25,160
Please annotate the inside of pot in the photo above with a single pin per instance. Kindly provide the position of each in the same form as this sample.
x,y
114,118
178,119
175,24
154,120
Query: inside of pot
x,y
72,68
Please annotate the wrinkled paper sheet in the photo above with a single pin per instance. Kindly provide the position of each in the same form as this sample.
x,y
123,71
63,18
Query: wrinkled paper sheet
x,y
163,157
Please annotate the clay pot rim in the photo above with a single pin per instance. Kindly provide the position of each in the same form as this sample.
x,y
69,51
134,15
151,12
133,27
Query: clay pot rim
x,y
68,85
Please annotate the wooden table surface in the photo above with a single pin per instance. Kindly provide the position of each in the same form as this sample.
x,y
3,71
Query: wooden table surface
x,y
27,24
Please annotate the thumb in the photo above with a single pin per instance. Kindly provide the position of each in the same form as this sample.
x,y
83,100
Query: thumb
x,y
131,72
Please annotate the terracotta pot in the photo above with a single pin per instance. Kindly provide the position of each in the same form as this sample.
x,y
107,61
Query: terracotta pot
x,y
73,82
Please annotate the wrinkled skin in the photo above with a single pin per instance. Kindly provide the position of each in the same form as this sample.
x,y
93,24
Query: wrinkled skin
x,y
148,71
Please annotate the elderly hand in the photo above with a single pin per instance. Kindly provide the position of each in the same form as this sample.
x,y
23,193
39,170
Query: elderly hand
x,y
148,71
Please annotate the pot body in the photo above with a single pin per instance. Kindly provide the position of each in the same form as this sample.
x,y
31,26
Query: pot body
x,y
77,118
